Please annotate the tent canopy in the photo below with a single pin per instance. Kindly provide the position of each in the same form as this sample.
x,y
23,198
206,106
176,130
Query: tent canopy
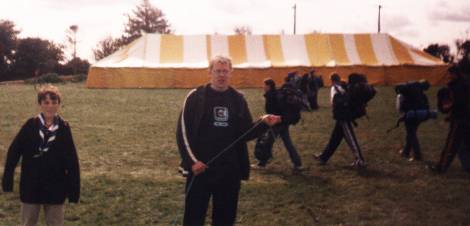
x,y
166,61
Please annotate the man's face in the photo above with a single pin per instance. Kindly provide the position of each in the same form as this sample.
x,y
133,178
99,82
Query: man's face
x,y
220,76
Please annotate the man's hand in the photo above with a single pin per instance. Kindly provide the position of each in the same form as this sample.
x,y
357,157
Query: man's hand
x,y
271,120
198,168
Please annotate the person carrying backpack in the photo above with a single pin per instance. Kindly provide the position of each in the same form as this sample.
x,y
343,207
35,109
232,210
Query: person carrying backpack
x,y
285,102
455,101
413,106
349,102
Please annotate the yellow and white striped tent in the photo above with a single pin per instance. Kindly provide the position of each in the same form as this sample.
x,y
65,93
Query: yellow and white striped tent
x,y
181,61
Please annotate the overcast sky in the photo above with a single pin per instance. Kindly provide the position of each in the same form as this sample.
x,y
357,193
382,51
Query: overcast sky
x,y
418,22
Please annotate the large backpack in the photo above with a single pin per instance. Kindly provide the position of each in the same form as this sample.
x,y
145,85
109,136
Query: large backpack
x,y
291,101
352,104
361,92
413,95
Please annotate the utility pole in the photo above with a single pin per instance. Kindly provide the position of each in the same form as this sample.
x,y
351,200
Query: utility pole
x,y
378,24
295,15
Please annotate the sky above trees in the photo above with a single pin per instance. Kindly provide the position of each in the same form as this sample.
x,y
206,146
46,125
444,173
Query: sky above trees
x,y
418,22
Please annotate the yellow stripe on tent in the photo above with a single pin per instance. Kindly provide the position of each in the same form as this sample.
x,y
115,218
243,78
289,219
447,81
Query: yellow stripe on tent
x,y
365,49
209,47
338,49
237,49
318,49
171,49
401,52
273,48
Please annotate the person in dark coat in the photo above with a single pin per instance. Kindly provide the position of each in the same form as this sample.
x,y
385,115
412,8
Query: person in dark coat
x,y
458,107
49,163
213,117
275,105
343,129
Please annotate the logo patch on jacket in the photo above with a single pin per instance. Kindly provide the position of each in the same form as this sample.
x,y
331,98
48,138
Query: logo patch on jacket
x,y
220,116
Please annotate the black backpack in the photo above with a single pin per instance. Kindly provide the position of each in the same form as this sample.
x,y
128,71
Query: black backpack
x,y
352,104
291,101
414,97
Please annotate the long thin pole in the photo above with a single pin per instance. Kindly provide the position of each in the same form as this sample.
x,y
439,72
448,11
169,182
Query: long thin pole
x,y
378,24
295,16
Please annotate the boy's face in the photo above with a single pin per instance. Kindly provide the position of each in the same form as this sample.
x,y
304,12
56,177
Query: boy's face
x,y
49,107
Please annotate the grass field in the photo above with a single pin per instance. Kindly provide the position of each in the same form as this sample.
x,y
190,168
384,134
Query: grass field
x,y
126,144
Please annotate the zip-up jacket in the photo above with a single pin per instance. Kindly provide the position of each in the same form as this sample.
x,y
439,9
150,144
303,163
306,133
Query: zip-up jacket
x,y
188,128
49,178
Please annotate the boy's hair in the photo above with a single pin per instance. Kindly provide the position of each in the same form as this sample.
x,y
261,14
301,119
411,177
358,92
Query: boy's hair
x,y
48,90
270,82
220,59
334,77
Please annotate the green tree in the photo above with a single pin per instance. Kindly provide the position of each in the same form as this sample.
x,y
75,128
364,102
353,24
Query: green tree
x,y
8,41
242,30
106,47
463,54
146,18
440,51
35,57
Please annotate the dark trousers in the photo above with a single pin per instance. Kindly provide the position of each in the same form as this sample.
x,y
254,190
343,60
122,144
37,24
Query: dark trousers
x,y
343,129
313,100
224,189
412,142
283,132
458,141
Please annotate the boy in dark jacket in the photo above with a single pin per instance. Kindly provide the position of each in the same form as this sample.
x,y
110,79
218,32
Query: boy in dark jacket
x,y
49,166
342,129
214,116
275,104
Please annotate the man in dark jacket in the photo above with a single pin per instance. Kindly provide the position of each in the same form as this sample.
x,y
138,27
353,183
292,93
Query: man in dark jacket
x,y
458,138
212,118
276,104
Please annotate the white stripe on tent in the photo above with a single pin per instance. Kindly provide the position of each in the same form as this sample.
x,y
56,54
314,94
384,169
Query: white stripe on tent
x,y
419,60
382,49
294,50
255,53
135,54
219,45
152,50
195,51
351,50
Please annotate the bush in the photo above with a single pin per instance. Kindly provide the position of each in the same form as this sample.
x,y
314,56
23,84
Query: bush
x,y
79,78
45,78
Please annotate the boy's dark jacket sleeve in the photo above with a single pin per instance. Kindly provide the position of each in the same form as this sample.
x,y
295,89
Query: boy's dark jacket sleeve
x,y
72,167
13,156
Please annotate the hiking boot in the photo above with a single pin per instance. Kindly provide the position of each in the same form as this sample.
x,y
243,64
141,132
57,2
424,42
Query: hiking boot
x,y
437,169
359,164
298,169
414,159
402,154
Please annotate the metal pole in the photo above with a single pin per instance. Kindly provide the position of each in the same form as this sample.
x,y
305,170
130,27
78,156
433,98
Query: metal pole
x,y
378,24
295,16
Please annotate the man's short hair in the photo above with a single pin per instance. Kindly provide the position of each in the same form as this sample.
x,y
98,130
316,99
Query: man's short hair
x,y
270,82
334,77
221,60
48,90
